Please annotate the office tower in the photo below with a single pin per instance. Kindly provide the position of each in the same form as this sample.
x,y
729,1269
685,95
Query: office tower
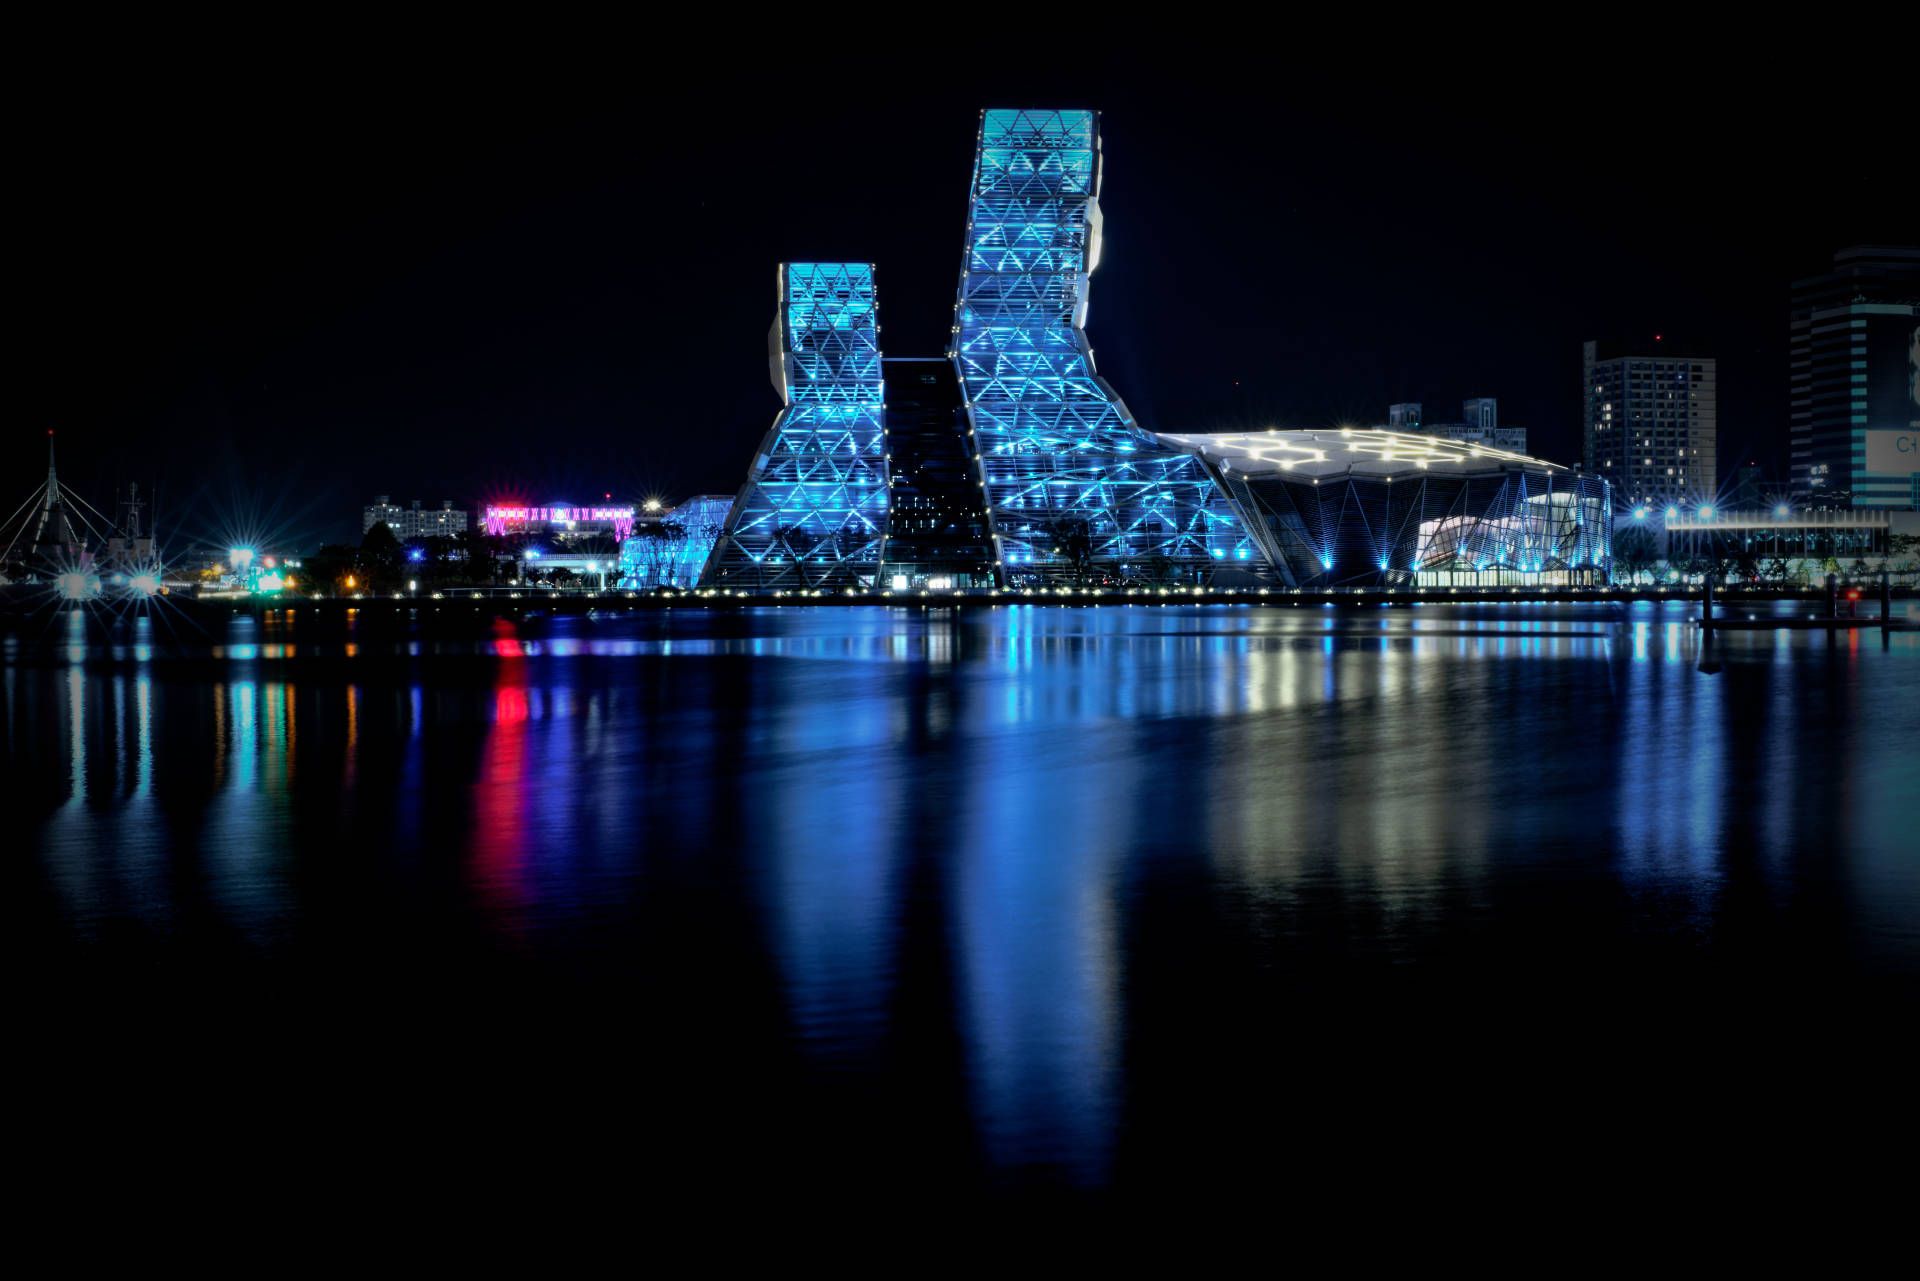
x,y
1854,381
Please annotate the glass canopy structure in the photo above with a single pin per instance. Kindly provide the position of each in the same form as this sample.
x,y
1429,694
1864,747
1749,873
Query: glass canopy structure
x,y
813,512
1075,488
1367,507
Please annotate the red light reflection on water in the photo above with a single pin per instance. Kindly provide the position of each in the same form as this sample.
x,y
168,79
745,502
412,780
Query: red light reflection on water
x,y
506,641
502,791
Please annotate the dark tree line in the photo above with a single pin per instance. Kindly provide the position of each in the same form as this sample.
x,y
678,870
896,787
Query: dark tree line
x,y
382,563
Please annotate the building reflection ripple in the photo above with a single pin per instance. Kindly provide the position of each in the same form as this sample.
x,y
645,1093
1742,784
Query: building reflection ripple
x,y
991,872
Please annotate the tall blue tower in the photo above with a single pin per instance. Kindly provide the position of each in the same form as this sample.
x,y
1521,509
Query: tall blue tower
x,y
1074,486
813,512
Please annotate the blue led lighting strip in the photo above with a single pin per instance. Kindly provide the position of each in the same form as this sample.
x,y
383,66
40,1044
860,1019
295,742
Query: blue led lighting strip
x,y
1069,476
813,512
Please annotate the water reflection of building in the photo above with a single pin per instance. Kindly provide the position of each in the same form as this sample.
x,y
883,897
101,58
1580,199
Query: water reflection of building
x,y
1036,923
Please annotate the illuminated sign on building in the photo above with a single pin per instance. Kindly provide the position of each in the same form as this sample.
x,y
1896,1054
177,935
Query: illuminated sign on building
x,y
504,520
1893,451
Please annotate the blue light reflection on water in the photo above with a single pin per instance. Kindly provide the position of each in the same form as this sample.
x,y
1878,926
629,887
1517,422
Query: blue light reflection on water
x,y
1032,785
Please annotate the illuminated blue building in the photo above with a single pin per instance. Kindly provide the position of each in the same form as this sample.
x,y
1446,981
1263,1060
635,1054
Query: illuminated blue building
x,y
813,511
1011,462
672,550
1075,488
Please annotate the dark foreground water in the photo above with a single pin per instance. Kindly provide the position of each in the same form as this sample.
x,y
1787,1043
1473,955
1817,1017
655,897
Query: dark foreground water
x,y
1027,899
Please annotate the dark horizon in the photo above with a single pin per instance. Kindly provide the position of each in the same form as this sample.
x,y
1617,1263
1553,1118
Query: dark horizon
x,y
276,296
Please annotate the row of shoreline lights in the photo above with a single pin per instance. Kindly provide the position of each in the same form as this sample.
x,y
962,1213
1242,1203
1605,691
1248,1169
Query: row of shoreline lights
x,y
84,584
819,592
1031,591
979,593
1704,512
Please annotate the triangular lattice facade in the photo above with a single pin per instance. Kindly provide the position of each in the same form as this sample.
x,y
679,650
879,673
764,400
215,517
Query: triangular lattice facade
x,y
813,512
1072,483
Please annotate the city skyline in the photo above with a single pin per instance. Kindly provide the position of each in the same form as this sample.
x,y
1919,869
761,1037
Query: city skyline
x,y
1248,628
541,307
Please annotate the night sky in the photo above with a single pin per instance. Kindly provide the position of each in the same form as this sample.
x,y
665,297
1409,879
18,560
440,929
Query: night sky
x,y
547,272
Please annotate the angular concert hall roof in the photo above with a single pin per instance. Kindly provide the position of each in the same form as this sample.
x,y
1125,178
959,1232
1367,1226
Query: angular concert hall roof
x,y
1364,452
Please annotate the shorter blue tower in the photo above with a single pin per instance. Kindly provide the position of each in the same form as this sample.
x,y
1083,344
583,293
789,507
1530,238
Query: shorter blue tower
x,y
813,512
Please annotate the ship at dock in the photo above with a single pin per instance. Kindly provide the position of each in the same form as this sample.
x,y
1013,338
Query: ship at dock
x,y
57,542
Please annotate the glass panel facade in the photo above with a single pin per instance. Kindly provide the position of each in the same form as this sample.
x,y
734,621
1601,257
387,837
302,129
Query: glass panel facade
x,y
1515,528
814,508
1075,489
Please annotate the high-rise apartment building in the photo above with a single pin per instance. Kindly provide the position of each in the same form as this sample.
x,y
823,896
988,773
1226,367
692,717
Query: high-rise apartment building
x,y
444,521
1651,424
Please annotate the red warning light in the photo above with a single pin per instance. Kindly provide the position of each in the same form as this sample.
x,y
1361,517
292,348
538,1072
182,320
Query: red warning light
x,y
1854,594
1656,337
